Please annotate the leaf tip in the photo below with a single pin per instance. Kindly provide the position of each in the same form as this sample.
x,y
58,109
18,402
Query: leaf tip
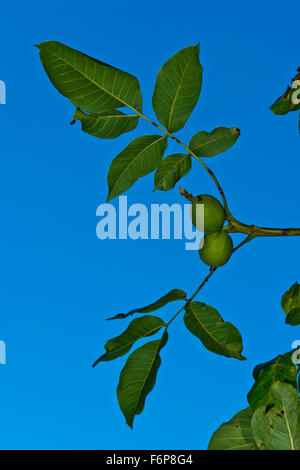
x,y
129,422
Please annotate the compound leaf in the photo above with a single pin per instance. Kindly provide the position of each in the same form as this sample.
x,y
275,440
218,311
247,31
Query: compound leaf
x,y
138,378
209,144
177,88
172,169
91,85
147,325
106,125
217,336
140,157
175,294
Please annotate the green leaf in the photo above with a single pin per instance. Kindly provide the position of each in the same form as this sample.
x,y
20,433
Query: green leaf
x,y
138,378
106,125
297,437
170,170
209,144
175,294
290,303
237,434
285,103
217,336
91,85
177,88
140,157
280,369
293,318
275,428
147,325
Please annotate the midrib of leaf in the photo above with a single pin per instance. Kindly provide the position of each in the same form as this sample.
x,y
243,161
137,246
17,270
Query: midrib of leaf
x,y
209,334
132,342
288,427
95,83
213,141
137,156
115,116
176,95
149,370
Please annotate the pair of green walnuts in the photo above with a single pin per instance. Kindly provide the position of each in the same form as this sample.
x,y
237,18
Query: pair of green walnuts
x,y
217,246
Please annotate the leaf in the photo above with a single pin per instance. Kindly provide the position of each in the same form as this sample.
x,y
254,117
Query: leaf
x,y
285,103
106,125
209,144
138,378
297,437
147,325
91,85
290,303
280,369
140,157
177,88
237,434
217,336
293,318
170,170
175,294
276,428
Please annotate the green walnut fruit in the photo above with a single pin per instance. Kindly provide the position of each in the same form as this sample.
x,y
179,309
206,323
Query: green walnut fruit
x,y
214,214
216,249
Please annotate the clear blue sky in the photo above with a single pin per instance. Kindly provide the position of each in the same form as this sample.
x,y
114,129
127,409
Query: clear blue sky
x,y
59,282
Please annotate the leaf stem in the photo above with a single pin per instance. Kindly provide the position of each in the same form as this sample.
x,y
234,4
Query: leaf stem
x,y
205,280
210,172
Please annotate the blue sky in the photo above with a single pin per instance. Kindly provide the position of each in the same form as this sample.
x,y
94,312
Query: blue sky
x,y
59,282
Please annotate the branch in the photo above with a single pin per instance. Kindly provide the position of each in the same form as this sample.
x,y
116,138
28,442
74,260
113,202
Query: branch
x,y
205,280
235,226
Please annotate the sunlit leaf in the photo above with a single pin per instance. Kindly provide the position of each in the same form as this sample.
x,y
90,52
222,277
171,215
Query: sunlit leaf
x,y
275,428
91,85
237,434
177,88
209,144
